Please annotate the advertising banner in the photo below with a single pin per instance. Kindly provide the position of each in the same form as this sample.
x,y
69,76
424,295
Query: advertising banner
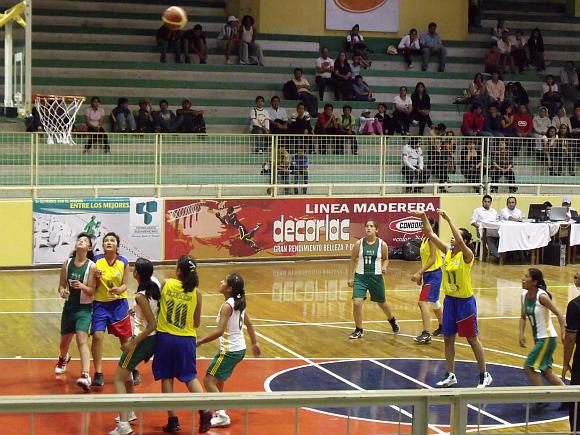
x,y
57,222
370,15
283,227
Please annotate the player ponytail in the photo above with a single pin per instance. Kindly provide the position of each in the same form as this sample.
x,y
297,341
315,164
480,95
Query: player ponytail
x,y
188,269
236,283
90,253
538,276
466,236
434,225
145,270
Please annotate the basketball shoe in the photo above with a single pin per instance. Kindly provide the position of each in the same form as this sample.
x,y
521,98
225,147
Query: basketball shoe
x,y
60,366
205,418
438,332
84,382
485,380
123,428
172,425
132,417
357,333
448,381
424,338
394,325
221,419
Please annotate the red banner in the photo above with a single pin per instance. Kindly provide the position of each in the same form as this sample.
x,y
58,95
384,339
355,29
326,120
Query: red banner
x,y
285,227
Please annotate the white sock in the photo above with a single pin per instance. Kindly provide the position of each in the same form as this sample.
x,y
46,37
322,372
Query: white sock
x,y
221,413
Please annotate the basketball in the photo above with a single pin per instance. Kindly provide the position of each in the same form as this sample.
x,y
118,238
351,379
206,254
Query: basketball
x,y
359,6
174,18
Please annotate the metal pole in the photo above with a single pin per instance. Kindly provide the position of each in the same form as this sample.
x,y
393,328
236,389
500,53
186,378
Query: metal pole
x,y
27,57
8,66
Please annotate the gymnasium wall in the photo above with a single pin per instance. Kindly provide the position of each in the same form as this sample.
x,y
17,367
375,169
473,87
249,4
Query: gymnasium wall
x,y
16,233
307,17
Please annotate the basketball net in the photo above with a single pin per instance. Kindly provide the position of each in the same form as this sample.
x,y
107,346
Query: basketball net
x,y
57,116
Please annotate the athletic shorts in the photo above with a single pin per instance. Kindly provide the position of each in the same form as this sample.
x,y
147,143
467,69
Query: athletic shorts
x,y
223,364
431,286
174,357
142,352
373,283
459,316
112,316
76,319
542,355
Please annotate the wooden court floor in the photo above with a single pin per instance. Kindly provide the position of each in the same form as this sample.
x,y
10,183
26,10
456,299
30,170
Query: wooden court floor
x,y
302,312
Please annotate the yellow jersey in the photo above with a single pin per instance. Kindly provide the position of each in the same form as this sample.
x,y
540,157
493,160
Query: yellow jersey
x,y
457,276
176,309
111,276
425,252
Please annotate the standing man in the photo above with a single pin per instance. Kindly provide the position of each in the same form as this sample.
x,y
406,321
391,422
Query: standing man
x,y
570,342
511,212
486,213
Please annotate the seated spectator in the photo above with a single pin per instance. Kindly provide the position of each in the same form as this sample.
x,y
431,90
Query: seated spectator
x,y
143,117
561,118
421,103
299,168
473,122
303,88
523,123
324,70
347,126
413,169
477,92
551,96
575,122
283,169
249,48
341,77
300,125
439,158
519,52
470,163
550,150
169,40
541,122
355,43
326,124
194,43
502,166
516,95
355,65
369,125
94,118
122,118
536,51
569,81
188,120
278,117
409,46
403,109
510,212
163,119
229,34
497,31
361,90
566,153
495,88
505,49
507,120
390,126
486,213
493,122
449,141
492,60
431,44
260,124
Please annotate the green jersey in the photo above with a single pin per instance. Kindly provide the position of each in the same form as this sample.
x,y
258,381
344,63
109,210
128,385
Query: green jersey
x,y
76,297
369,258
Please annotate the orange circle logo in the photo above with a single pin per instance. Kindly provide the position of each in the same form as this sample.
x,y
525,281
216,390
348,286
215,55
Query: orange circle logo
x,y
359,6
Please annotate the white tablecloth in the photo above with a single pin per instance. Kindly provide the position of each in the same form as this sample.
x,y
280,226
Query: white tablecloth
x,y
575,234
521,236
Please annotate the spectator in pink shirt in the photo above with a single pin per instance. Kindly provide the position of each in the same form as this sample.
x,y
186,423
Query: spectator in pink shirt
x,y
474,122
495,88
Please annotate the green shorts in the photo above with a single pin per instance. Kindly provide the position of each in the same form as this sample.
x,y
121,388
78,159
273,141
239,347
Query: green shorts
x,y
142,352
373,283
76,319
223,364
541,356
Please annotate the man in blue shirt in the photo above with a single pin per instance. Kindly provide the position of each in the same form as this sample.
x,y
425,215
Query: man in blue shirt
x,y
431,44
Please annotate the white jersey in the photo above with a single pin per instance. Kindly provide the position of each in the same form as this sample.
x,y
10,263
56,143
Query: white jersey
x,y
140,322
370,258
233,338
540,316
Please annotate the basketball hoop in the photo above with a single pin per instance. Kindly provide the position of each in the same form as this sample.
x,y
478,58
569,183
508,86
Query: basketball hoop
x,y
57,115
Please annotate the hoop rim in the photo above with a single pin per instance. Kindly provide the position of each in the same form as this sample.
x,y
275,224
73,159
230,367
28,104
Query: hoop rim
x,y
58,97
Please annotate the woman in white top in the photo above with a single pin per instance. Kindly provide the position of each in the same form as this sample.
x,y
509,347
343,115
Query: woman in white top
x,y
230,321
249,46
94,118
403,109
551,96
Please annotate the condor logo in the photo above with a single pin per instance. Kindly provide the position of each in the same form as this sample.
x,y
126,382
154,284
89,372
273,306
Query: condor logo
x,y
408,225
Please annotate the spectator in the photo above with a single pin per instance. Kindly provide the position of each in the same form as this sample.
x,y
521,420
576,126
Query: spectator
x,y
473,122
324,70
412,169
283,168
510,212
369,125
507,120
551,151
566,152
470,163
567,202
229,34
449,141
497,31
477,92
341,77
347,126
516,95
519,52
355,43
493,122
495,88
505,49
541,122
260,124
163,119
300,125
390,126
439,158
303,88
169,40
431,44
502,166
122,118
523,123
278,117
569,81
299,168
421,103
188,120
536,50
492,60
486,213
403,109
409,46
355,65
575,122
143,117
361,90
94,118
561,118
194,43
551,96
249,48
326,124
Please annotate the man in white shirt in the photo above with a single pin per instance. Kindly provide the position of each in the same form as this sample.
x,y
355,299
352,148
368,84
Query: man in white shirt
x,y
413,169
324,69
260,124
486,213
409,45
278,117
511,212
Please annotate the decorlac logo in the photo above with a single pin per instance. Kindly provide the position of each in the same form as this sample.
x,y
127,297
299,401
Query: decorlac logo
x,y
407,225
146,209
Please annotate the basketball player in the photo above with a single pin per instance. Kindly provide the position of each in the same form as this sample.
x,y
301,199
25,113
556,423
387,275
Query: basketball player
x,y
369,261
231,318
231,218
459,305
572,347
